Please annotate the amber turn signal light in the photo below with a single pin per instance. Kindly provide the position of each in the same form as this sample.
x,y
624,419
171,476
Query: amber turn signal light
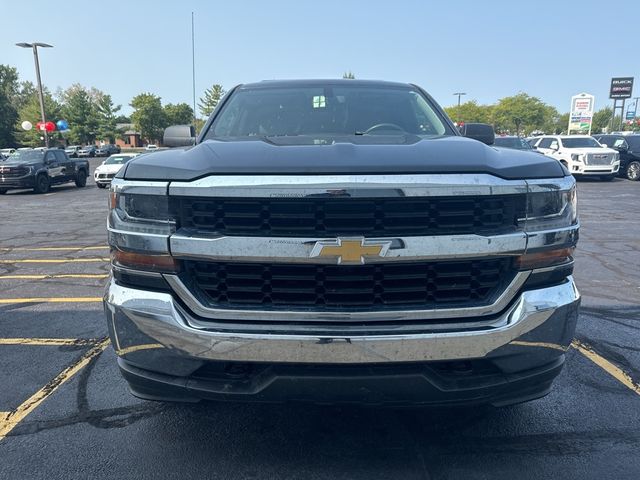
x,y
547,258
137,261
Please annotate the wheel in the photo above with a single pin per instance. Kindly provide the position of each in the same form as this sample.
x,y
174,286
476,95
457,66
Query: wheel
x,y
607,178
42,184
81,179
101,185
3,191
633,171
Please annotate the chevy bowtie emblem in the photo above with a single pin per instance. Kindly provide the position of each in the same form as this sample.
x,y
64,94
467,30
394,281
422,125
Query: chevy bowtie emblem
x,y
351,250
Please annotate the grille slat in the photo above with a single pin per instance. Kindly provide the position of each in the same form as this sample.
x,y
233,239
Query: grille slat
x,y
425,285
346,215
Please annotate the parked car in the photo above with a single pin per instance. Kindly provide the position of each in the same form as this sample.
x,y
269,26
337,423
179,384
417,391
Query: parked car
x,y
581,154
72,150
88,151
106,150
41,168
7,151
628,147
151,147
108,169
511,141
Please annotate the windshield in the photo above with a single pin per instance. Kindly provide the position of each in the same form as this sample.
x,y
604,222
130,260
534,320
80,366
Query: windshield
x,y
28,155
117,159
512,142
582,142
327,111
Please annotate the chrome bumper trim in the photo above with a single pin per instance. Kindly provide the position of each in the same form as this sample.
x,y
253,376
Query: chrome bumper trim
x,y
274,315
299,250
161,324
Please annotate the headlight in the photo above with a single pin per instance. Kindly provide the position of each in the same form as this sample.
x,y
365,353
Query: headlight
x,y
140,213
576,157
551,210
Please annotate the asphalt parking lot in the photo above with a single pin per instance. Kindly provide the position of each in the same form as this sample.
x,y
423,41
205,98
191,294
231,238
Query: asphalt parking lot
x,y
65,412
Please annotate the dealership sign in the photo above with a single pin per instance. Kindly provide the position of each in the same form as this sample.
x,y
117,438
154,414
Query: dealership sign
x,y
631,111
581,113
621,87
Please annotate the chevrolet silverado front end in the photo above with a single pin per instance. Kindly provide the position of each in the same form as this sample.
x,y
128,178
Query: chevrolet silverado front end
x,y
338,242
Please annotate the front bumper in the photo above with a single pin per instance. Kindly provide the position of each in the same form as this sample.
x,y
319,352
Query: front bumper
x,y
27,181
163,356
582,169
103,180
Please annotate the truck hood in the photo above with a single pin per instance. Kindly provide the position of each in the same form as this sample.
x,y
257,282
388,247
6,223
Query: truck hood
x,y
591,150
112,168
20,163
451,154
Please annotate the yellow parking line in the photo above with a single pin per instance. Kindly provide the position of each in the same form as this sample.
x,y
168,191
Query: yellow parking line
x,y
46,277
56,260
617,373
50,300
51,249
13,418
51,342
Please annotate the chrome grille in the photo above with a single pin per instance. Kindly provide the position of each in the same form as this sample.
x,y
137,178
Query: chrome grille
x,y
599,159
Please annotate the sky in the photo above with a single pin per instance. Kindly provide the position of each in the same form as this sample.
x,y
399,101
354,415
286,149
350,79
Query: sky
x,y
488,49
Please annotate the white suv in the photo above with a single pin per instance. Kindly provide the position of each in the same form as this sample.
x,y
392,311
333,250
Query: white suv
x,y
581,154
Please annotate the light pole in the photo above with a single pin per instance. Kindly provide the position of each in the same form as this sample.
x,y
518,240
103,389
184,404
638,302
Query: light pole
x,y
35,46
459,94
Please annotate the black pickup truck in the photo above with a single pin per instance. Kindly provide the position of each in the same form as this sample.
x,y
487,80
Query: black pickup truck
x,y
40,169
339,241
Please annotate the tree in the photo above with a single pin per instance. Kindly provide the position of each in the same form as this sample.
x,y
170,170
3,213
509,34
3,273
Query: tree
x,y
178,114
349,75
530,113
8,110
80,112
561,125
31,111
470,112
123,119
148,117
106,119
25,91
601,119
210,99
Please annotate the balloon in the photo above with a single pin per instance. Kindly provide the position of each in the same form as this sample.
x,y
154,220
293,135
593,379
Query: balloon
x,y
27,125
49,126
40,126
62,125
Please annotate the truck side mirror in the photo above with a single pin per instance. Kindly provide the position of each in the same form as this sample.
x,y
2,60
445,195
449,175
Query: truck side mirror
x,y
179,136
482,132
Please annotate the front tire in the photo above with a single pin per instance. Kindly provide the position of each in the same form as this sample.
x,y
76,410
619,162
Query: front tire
x,y
3,191
633,171
101,185
81,179
42,184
